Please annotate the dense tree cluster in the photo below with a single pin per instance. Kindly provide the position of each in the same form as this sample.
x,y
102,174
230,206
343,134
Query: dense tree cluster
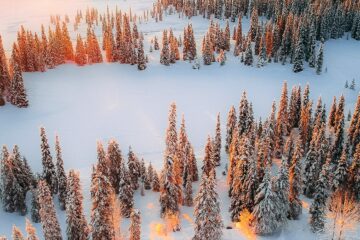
x,y
320,159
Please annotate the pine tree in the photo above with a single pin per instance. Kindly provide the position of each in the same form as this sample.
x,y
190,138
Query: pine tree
x,y
208,161
282,121
77,227
4,72
230,125
13,195
134,169
31,231
248,54
354,173
332,114
17,92
299,56
49,221
115,160
341,173
320,59
80,53
266,208
126,192
217,143
188,197
207,50
208,222
135,225
140,56
318,206
312,168
61,175
102,209
49,172
155,182
169,205
339,129
295,182
282,191
165,51
35,206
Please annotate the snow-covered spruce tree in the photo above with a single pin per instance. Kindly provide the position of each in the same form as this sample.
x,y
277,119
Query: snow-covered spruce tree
x,y
188,192
241,172
332,114
49,221
353,127
262,52
341,172
21,170
148,178
281,122
248,54
230,125
266,209
13,196
169,205
250,184
102,209
134,169
244,115
80,53
155,182
305,124
318,206
4,73
339,130
17,92
312,168
295,182
299,56
282,191
141,56
142,169
171,140
217,142
126,192
207,51
354,173
61,175
102,160
208,222
156,43
183,153
35,206
208,161
165,51
31,231
77,227
49,172
135,225
17,234
3,157
320,59
115,160
311,55
193,164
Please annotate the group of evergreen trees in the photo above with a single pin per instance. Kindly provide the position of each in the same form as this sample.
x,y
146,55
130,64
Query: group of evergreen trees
x,y
319,159
298,131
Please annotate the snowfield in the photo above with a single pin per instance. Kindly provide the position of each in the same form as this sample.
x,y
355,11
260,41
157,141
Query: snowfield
x,y
84,105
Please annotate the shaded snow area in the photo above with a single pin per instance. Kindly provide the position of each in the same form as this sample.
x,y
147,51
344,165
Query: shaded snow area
x,y
84,105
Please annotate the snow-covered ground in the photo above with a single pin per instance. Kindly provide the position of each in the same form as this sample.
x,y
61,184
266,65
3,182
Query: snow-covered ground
x,y
95,103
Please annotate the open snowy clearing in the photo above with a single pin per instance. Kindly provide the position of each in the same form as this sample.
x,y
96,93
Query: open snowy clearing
x,y
99,102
